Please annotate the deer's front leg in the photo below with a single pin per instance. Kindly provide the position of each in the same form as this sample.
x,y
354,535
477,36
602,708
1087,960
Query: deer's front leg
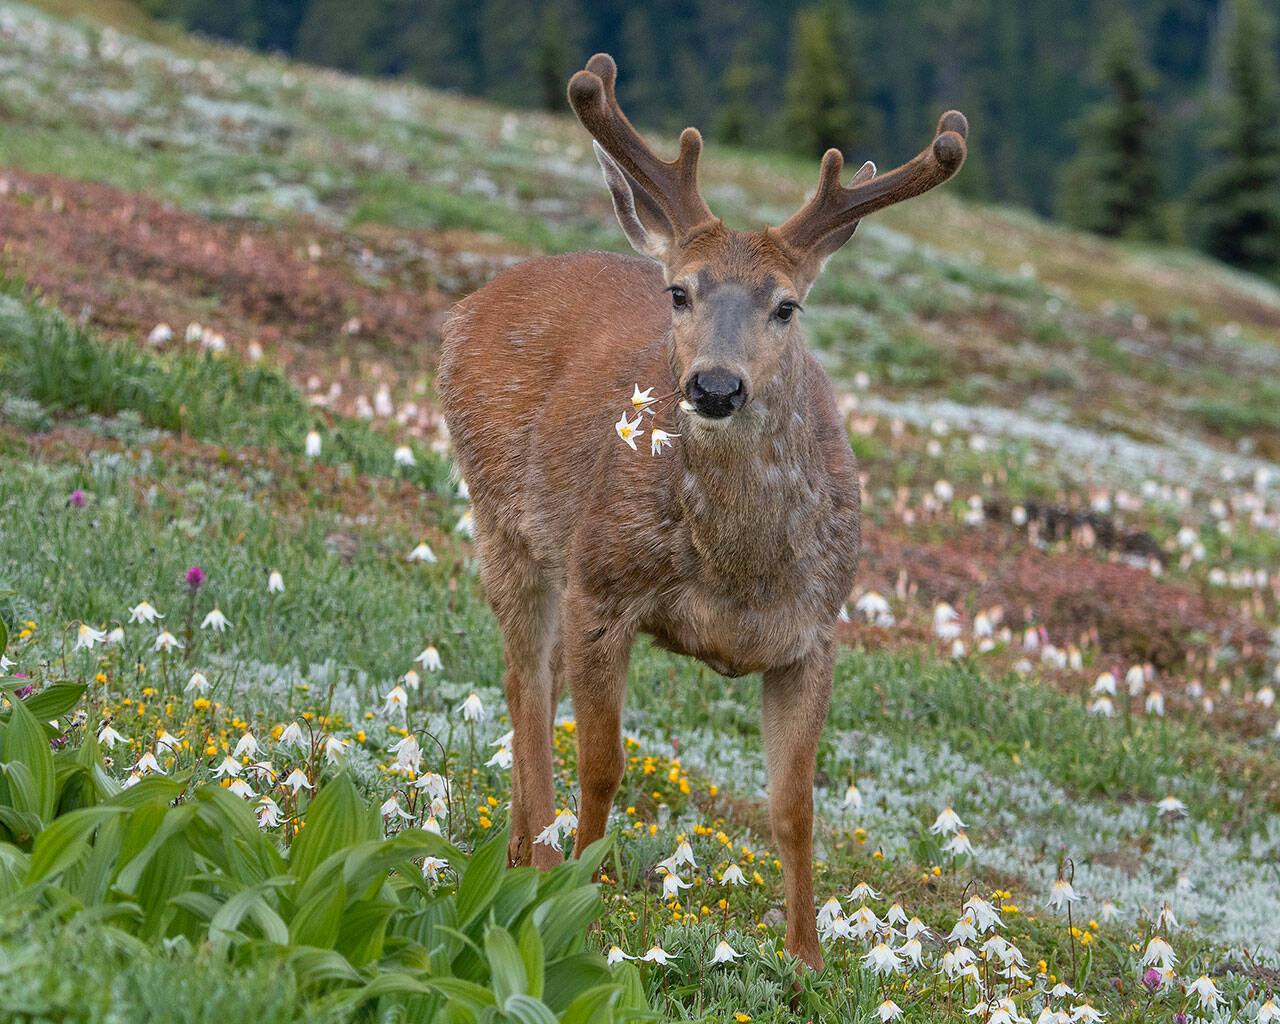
x,y
795,701
595,653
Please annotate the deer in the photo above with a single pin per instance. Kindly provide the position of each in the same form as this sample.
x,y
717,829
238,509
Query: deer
x,y
734,540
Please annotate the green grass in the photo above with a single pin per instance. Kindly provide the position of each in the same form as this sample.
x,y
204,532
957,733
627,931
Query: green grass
x,y
117,978
44,358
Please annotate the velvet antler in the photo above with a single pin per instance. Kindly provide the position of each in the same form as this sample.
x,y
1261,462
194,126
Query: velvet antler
x,y
672,184
835,207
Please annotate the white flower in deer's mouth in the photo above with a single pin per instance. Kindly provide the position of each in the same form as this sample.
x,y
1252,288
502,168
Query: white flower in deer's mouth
x,y
640,399
658,439
627,430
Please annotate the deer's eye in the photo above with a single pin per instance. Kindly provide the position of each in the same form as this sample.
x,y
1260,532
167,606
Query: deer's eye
x,y
786,310
679,297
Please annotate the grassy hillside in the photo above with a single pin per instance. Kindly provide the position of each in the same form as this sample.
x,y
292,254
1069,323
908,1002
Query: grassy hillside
x,y
1069,442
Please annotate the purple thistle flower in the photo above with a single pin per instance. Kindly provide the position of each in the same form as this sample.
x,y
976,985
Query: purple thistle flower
x,y
24,691
195,578
1180,1018
1151,979
77,498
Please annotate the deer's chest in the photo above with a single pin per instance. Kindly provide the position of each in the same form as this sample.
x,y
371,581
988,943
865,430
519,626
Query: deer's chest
x,y
733,636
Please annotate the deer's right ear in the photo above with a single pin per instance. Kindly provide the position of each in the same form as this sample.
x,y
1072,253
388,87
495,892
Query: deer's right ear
x,y
645,225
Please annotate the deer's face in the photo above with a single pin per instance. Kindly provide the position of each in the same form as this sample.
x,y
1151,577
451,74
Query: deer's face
x,y
734,329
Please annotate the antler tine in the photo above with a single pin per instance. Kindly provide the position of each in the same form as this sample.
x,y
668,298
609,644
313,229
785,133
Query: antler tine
x,y
673,184
834,207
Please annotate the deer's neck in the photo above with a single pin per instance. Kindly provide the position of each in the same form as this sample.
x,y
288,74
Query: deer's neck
x,y
751,492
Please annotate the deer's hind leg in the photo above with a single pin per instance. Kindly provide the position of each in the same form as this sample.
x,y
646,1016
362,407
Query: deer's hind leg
x,y
526,600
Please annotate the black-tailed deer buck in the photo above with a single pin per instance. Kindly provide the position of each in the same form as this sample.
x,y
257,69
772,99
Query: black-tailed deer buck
x,y
735,542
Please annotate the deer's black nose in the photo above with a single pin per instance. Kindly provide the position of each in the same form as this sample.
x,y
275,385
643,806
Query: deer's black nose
x,y
716,393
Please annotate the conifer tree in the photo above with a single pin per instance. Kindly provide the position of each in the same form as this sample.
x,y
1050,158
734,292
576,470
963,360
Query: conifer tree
x,y
1238,196
822,86
1113,184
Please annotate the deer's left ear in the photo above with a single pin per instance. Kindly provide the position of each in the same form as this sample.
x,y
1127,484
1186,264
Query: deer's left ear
x,y
645,225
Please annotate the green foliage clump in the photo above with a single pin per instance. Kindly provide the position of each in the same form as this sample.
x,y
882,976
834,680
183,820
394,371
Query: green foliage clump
x,y
347,910
1239,194
822,85
1113,185
63,367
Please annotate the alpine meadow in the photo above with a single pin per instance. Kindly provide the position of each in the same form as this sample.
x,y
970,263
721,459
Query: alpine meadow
x,y
348,450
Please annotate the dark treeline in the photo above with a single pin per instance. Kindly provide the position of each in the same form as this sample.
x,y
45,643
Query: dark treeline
x,y
1075,106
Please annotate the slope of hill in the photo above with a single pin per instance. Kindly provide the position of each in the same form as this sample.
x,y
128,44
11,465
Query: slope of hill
x,y
1070,443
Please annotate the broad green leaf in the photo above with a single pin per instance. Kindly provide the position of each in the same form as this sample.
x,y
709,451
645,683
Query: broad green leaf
x,y
526,1010
474,996
337,818
363,930
172,821
66,840
531,953
519,889
481,879
633,995
53,701
586,866
27,745
316,920
14,868
506,969
21,824
594,1006
201,904
249,903
322,965
570,975
369,863
395,983
164,877
564,919
160,789
4,637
